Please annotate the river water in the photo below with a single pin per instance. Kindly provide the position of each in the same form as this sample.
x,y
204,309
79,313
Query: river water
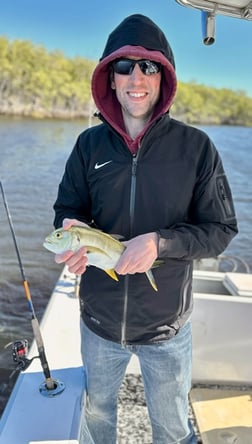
x,y
32,159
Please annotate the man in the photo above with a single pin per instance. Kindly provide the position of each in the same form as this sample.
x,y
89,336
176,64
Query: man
x,y
161,185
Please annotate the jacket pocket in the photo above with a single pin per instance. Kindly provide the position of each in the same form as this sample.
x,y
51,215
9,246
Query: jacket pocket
x,y
224,196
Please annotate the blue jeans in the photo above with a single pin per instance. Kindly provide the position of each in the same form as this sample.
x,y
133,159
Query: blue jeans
x,y
166,373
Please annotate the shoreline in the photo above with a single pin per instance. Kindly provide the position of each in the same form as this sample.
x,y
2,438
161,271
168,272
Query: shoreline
x,y
65,115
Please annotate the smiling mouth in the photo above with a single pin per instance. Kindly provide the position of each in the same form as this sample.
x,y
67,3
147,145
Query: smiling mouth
x,y
137,95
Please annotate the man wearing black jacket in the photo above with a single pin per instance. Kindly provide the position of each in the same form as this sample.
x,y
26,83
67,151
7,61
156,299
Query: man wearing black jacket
x,y
161,185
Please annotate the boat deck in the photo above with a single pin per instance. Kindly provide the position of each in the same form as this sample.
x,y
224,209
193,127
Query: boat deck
x,y
222,338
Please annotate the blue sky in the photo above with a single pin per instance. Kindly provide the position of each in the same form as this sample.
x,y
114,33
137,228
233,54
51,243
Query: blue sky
x,y
81,27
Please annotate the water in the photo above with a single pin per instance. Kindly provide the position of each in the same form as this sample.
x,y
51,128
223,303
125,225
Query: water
x,y
32,158
33,155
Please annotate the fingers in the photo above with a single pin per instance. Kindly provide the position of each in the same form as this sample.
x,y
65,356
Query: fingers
x,y
130,265
139,255
76,262
63,257
67,223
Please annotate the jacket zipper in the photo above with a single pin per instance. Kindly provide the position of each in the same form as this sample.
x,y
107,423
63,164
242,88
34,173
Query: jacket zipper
x,y
132,213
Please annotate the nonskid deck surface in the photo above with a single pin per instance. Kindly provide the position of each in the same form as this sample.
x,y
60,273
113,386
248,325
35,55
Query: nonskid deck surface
x,y
224,416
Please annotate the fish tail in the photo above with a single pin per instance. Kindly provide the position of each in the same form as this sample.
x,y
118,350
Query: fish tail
x,y
112,274
151,280
157,263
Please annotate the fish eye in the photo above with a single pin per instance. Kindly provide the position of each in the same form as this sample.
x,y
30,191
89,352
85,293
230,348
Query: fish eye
x,y
58,235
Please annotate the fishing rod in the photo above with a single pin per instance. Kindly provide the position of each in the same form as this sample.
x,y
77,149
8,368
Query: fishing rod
x,y
49,381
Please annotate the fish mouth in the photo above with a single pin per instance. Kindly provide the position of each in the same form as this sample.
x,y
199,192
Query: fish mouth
x,y
47,242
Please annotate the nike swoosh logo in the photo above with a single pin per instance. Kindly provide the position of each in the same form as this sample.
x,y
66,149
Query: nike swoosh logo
x,y
100,165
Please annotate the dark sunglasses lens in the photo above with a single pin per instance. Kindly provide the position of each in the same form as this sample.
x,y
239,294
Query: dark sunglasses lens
x,y
148,67
123,66
126,66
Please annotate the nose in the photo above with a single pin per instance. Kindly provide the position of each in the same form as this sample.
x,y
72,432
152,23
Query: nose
x,y
136,73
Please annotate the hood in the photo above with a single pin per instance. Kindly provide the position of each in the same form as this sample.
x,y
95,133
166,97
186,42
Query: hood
x,y
137,36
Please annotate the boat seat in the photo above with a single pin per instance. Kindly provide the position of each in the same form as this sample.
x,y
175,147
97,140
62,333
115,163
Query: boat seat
x,y
223,416
238,284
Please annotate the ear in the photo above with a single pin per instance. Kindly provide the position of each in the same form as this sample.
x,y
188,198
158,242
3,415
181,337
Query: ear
x,y
112,81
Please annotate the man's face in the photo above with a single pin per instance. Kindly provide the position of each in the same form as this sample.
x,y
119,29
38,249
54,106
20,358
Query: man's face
x,y
137,92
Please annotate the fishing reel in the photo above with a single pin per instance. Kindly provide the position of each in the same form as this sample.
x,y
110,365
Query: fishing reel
x,y
20,347
19,354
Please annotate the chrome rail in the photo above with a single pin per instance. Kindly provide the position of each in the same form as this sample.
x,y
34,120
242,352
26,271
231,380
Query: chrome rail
x,y
239,9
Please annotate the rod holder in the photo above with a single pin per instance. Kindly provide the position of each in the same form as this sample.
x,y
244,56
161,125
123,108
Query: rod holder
x,y
208,27
59,387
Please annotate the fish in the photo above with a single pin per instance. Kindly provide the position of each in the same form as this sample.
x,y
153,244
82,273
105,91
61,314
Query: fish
x,y
103,250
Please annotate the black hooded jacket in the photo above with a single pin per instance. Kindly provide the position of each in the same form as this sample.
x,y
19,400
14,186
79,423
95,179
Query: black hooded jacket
x,y
174,184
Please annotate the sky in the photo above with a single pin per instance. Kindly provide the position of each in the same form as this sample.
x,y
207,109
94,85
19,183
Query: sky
x,y
81,27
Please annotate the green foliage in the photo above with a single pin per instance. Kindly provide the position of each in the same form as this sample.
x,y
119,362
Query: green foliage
x,y
36,82
40,83
200,104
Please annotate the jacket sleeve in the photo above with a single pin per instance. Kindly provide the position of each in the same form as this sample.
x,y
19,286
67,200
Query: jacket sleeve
x,y
212,223
73,199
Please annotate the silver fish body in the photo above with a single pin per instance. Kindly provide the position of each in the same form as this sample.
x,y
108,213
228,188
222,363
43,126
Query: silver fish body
x,y
103,250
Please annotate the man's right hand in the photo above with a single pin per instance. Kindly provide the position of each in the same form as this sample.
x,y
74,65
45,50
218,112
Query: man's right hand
x,y
75,261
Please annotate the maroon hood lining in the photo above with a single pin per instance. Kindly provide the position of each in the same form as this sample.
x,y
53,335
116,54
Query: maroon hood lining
x,y
106,100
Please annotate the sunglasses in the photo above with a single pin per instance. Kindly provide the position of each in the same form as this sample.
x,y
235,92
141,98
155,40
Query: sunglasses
x,y
126,66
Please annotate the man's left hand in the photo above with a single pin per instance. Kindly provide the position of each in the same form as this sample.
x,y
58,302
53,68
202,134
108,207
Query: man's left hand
x,y
140,253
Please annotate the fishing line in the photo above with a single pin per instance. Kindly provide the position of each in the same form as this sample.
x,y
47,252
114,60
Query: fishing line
x,y
49,382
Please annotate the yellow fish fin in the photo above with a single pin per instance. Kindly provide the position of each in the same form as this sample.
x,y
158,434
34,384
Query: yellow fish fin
x,y
112,274
157,263
151,280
